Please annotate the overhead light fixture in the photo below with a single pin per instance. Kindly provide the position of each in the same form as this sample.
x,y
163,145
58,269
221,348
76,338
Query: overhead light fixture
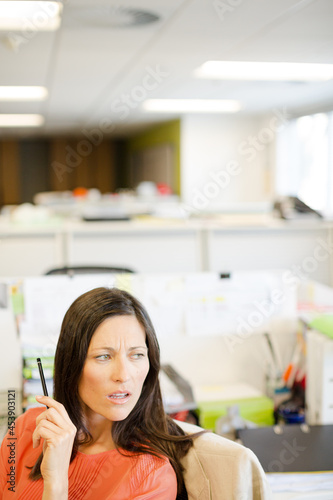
x,y
265,71
191,105
26,15
17,120
23,93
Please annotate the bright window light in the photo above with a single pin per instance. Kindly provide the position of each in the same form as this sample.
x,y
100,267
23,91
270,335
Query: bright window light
x,y
269,71
304,161
191,105
31,93
21,120
26,15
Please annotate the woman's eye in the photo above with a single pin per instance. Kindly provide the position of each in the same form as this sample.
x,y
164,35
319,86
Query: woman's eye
x,y
138,355
103,357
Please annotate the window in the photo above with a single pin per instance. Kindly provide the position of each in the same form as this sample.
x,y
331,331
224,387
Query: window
x,y
305,161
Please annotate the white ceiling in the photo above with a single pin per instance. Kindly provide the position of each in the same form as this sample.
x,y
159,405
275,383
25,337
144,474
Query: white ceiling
x,y
89,69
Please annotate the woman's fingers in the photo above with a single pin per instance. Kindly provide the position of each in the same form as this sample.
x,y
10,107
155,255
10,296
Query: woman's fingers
x,y
54,416
45,430
52,422
51,433
58,433
51,403
56,413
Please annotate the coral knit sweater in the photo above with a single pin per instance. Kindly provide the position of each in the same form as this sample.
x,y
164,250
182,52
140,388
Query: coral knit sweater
x,y
104,476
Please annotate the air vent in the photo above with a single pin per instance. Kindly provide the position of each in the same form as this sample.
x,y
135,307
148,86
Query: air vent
x,y
106,17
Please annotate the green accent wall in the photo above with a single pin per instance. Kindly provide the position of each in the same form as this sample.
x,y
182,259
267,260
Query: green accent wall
x,y
165,133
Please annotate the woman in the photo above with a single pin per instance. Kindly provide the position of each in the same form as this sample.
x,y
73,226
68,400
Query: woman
x,y
105,434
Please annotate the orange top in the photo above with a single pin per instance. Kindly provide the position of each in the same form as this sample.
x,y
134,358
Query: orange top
x,y
104,476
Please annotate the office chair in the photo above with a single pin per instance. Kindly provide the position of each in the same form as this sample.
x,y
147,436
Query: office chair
x,y
73,270
217,468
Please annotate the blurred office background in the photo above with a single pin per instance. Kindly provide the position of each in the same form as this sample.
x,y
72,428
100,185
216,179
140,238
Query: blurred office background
x,y
102,119
188,141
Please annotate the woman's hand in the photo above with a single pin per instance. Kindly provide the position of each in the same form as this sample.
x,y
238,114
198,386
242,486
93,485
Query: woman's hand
x,y
58,432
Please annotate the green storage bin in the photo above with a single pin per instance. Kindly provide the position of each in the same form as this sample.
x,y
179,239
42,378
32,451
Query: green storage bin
x,y
257,410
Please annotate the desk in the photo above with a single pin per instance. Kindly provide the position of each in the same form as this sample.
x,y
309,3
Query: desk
x,y
301,486
323,495
293,452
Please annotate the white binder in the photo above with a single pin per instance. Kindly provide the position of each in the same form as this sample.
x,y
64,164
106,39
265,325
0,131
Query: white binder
x,y
319,384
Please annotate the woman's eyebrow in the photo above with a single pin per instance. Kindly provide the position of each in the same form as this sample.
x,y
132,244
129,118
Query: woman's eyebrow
x,y
111,349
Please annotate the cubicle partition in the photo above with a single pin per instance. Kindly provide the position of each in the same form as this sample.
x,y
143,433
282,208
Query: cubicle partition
x,y
144,247
298,247
211,328
27,252
158,245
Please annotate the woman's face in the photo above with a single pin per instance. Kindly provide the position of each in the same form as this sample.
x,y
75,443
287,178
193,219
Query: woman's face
x,y
115,369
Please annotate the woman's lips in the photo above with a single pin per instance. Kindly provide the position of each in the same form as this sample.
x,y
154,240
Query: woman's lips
x,y
119,397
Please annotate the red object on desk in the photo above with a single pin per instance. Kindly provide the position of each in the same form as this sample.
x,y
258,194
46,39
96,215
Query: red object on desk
x,y
180,415
163,188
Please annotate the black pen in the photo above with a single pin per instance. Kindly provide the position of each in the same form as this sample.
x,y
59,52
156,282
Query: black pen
x,y
42,378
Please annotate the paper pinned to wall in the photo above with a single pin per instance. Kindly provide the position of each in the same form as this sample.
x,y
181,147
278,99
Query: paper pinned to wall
x,y
246,300
197,304
313,299
164,298
124,281
46,300
205,305
10,349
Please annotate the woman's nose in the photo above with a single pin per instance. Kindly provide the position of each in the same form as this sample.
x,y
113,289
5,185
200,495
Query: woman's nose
x,y
120,372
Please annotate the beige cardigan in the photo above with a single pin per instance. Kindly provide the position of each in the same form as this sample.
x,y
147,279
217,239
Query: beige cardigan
x,y
219,469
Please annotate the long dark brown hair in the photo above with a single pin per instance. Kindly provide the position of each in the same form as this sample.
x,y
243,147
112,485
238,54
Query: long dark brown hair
x,y
147,429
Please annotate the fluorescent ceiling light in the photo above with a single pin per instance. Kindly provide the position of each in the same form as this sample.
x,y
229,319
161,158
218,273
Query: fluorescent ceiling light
x,y
30,16
21,120
31,93
275,71
191,105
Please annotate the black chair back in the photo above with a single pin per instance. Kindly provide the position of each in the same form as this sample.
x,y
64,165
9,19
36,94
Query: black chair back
x,y
73,270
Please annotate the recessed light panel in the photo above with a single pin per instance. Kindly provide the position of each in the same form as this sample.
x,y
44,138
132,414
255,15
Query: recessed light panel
x,y
191,106
23,93
27,15
264,71
17,120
